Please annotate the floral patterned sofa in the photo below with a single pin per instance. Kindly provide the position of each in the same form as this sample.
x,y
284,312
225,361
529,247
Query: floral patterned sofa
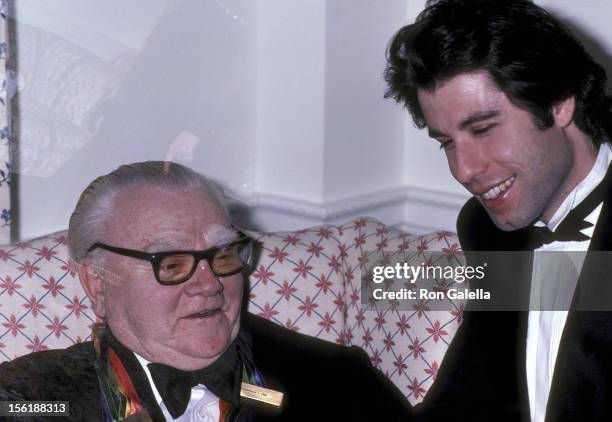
x,y
306,280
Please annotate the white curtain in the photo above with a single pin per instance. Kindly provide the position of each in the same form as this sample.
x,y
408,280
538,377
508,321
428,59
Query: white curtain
x,y
5,168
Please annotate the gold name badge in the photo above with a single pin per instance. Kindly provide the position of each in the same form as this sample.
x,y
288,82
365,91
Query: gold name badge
x,y
255,392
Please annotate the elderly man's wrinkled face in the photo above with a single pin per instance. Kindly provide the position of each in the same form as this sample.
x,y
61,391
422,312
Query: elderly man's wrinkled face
x,y
187,325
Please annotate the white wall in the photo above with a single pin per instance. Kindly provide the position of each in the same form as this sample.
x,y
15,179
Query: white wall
x,y
105,83
290,98
327,141
281,101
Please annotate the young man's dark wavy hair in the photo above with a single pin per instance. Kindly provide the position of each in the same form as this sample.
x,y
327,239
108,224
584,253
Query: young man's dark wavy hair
x,y
532,57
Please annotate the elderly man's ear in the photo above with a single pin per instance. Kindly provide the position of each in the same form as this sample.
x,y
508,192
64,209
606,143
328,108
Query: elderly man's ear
x,y
94,285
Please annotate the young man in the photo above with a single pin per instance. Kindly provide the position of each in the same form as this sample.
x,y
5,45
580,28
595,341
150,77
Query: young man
x,y
520,110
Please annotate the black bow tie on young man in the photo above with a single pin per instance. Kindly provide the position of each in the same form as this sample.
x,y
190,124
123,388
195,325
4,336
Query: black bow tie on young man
x,y
571,226
223,378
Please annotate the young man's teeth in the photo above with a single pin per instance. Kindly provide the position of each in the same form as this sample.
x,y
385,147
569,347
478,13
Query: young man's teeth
x,y
495,191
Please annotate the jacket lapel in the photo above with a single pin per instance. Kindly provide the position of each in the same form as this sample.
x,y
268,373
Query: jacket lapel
x,y
580,388
509,276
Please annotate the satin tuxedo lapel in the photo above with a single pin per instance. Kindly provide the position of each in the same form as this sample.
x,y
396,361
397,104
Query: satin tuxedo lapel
x,y
494,342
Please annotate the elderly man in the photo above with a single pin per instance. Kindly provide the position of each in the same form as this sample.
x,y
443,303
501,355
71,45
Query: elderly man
x,y
520,110
162,265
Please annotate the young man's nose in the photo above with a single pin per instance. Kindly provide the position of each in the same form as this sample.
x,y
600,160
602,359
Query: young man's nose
x,y
468,163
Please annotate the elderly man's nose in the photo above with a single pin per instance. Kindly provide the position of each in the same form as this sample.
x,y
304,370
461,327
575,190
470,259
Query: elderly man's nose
x,y
204,281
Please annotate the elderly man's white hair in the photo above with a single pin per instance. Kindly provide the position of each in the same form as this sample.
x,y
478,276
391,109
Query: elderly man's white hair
x,y
95,205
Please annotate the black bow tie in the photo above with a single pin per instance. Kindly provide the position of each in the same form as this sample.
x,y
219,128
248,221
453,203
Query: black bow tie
x,y
223,378
572,224
540,236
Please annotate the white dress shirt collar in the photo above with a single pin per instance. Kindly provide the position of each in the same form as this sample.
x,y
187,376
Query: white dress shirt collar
x,y
581,191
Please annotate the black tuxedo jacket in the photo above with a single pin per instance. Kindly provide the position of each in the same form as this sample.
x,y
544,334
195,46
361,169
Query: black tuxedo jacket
x,y
321,381
483,375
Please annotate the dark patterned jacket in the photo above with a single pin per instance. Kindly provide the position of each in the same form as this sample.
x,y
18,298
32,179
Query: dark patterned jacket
x,y
321,381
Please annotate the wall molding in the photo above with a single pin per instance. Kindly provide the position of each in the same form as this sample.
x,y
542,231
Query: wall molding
x,y
406,206
436,198
334,209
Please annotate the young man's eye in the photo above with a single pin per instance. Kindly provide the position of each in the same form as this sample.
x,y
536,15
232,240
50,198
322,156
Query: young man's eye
x,y
446,144
482,130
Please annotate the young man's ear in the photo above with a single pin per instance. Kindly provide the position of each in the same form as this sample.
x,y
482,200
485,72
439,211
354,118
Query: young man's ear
x,y
93,284
563,112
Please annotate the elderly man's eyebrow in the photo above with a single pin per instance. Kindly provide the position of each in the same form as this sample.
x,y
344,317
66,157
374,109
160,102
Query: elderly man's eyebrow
x,y
220,235
160,245
477,117
215,235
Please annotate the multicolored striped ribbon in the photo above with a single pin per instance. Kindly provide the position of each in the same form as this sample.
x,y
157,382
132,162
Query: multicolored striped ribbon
x,y
119,397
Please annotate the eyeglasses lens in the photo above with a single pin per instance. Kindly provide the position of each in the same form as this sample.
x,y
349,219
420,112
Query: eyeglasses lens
x,y
228,260
175,267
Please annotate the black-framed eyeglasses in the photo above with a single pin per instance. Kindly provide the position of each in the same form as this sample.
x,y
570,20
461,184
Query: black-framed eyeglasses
x,y
176,267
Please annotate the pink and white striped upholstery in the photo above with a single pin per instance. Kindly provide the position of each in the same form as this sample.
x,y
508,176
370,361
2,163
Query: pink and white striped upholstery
x,y
307,280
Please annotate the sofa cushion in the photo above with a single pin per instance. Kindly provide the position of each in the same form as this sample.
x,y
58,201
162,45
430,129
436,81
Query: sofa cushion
x,y
407,345
42,303
298,280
